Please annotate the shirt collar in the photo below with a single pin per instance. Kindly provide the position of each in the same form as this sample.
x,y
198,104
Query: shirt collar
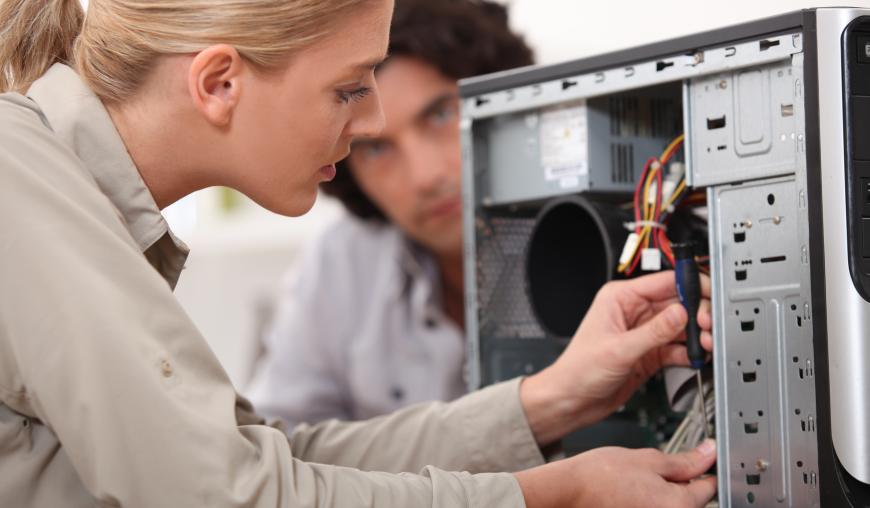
x,y
79,119
419,272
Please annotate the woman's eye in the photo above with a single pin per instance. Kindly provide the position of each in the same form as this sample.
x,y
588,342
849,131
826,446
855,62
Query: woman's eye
x,y
354,95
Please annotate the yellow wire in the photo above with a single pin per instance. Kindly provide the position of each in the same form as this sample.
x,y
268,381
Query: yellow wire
x,y
680,188
647,208
643,241
671,147
624,266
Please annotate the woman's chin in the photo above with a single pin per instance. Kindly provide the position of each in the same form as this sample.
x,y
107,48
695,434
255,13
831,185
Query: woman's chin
x,y
295,206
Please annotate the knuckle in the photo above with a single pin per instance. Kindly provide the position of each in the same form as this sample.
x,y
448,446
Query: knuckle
x,y
610,289
684,463
661,327
650,455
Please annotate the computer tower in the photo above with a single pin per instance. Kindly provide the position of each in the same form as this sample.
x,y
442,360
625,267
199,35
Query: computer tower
x,y
774,117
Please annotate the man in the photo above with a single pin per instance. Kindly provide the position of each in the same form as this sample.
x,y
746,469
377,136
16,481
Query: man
x,y
393,273
372,319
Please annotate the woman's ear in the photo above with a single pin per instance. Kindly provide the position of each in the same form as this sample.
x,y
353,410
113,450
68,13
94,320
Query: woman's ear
x,y
214,83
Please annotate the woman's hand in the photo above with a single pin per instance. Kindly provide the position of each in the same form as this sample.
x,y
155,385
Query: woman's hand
x,y
632,330
618,477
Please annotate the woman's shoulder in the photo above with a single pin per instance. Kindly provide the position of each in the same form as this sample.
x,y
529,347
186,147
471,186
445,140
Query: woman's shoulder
x,y
19,117
27,141
37,169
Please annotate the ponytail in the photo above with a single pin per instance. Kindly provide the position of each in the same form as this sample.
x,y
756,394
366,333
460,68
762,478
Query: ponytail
x,y
119,41
34,35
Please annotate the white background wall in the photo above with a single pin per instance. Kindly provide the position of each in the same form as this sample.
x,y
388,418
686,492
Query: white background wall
x,y
566,29
238,257
235,268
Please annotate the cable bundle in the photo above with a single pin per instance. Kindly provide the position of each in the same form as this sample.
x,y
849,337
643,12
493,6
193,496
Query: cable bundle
x,y
690,432
652,207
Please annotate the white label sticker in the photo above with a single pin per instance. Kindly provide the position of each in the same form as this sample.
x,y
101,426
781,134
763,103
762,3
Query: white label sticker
x,y
564,143
569,181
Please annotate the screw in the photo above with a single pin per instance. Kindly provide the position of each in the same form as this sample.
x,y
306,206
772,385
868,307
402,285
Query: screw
x,y
762,465
777,219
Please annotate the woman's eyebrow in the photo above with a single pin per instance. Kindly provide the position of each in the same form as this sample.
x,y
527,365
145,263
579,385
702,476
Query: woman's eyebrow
x,y
371,64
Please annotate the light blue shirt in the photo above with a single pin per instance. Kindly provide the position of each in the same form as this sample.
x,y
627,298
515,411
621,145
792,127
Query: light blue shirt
x,y
359,331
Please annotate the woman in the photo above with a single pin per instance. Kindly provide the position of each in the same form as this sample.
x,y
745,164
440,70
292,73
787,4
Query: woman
x,y
109,396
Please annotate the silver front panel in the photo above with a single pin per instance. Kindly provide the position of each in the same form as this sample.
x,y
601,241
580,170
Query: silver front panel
x,y
848,314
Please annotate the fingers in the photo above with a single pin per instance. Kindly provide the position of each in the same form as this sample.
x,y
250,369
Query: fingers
x,y
662,329
661,285
705,321
706,286
707,341
674,356
705,315
683,467
702,491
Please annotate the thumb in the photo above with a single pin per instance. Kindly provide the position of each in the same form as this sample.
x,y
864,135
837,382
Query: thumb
x,y
683,467
658,331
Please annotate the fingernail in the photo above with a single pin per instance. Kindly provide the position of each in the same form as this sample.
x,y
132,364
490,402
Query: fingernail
x,y
707,448
708,336
674,316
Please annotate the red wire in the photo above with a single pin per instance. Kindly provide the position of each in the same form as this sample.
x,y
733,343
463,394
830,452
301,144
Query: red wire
x,y
637,191
657,211
666,247
659,238
634,263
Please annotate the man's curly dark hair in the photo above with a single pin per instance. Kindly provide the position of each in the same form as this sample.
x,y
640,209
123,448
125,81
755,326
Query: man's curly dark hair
x,y
460,38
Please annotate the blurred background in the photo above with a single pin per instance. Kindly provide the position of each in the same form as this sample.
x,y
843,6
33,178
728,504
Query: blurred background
x,y
240,251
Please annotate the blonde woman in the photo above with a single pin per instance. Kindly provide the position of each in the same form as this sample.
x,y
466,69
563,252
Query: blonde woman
x,y
108,394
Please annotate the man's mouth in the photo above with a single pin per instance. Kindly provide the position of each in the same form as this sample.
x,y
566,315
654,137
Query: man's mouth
x,y
443,208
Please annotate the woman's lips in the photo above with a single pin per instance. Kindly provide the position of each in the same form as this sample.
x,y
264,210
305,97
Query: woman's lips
x,y
328,172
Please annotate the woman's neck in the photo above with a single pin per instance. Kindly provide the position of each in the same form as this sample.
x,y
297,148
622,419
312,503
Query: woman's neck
x,y
165,137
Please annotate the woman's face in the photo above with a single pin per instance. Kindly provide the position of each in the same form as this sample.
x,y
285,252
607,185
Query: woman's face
x,y
293,126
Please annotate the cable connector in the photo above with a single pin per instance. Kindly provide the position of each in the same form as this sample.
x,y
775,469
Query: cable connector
x,y
630,248
631,226
651,260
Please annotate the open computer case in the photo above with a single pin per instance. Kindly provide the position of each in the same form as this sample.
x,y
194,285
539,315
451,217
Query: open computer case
x,y
759,136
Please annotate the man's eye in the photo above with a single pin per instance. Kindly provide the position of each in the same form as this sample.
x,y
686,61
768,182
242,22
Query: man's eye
x,y
354,95
369,150
443,115
375,149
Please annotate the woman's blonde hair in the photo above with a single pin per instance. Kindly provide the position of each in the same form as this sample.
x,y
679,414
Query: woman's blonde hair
x,y
115,45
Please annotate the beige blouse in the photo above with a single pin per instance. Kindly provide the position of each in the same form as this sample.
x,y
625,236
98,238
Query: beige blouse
x,y
109,396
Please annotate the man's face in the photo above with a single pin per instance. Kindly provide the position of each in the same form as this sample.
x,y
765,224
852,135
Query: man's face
x,y
413,170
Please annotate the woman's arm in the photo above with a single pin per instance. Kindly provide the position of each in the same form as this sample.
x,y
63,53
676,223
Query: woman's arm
x,y
111,365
